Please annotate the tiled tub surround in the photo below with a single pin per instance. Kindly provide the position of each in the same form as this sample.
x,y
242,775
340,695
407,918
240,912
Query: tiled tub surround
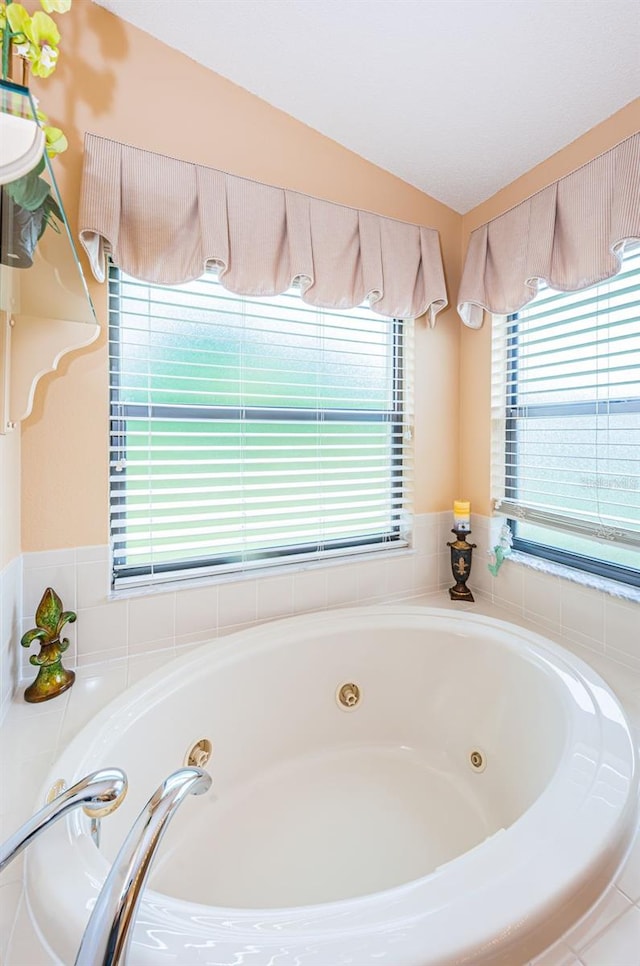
x,y
600,615
10,622
110,627
129,624
35,736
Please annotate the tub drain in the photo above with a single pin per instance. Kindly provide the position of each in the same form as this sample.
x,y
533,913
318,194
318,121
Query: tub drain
x,y
199,753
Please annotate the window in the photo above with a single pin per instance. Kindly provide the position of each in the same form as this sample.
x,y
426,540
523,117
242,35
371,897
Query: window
x,y
567,425
249,432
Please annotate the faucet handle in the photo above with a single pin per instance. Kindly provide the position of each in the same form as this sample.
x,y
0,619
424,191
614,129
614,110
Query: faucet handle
x,y
98,794
105,801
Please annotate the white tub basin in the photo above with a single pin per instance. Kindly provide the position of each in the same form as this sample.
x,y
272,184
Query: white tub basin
x,y
359,836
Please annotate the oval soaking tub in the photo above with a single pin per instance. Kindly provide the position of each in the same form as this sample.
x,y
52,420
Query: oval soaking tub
x,y
465,802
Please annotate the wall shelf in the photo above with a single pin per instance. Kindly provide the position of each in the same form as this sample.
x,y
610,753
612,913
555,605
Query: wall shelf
x,y
30,347
45,306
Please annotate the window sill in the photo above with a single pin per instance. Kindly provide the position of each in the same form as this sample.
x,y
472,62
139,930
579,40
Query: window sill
x,y
267,573
611,587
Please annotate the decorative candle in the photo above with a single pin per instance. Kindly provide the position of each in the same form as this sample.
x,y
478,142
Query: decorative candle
x,y
462,515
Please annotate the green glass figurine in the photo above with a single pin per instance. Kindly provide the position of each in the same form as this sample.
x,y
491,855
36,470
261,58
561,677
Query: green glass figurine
x,y
52,678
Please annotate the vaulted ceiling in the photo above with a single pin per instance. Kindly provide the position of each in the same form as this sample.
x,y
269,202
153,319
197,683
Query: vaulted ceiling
x,y
457,97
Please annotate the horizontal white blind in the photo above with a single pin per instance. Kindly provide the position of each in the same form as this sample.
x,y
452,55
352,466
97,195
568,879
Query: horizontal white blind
x,y
247,433
566,407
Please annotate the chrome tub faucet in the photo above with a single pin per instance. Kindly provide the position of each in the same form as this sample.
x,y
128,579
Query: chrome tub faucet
x,y
108,932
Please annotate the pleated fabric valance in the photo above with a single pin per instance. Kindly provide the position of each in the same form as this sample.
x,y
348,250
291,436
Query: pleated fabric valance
x,y
164,221
570,235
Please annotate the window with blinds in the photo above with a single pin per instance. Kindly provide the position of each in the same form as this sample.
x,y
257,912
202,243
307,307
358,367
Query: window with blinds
x,y
566,409
248,432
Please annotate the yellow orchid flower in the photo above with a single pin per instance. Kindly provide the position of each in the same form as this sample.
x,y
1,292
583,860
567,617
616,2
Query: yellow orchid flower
x,y
55,138
36,38
56,6
18,17
56,141
44,37
18,21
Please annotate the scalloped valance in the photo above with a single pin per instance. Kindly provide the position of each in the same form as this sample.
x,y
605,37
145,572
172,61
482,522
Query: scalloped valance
x,y
570,235
165,221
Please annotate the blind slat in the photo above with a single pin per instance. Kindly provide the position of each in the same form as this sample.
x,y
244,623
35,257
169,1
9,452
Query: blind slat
x,y
566,400
245,432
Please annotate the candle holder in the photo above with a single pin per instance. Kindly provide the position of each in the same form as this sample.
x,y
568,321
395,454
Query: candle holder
x,y
461,552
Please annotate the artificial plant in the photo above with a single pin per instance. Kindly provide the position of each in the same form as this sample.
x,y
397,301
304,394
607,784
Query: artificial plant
x,y
34,39
501,550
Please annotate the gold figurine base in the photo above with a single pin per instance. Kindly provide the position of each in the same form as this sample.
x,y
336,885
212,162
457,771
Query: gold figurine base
x,y
50,682
460,592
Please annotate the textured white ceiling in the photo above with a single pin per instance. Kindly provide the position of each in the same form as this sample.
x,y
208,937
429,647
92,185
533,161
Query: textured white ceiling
x,y
457,97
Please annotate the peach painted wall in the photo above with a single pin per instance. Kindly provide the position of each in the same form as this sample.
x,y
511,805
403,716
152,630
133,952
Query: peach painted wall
x,y
117,81
475,344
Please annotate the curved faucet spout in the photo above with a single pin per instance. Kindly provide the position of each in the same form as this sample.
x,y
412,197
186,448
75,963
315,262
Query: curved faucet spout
x,y
108,933
98,794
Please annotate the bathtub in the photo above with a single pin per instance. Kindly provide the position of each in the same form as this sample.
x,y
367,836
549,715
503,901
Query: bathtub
x,y
465,802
